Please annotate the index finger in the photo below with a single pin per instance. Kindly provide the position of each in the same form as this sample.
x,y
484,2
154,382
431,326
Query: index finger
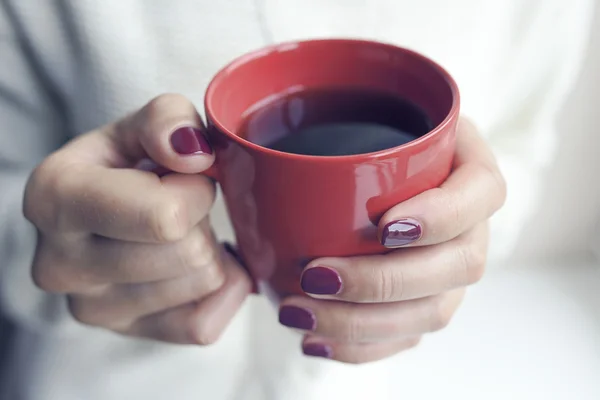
x,y
127,204
472,193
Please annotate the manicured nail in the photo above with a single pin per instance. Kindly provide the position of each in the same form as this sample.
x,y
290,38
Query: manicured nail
x,y
321,280
317,350
297,317
188,141
401,232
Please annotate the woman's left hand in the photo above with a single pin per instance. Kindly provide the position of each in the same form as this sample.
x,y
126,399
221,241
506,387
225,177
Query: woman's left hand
x,y
367,308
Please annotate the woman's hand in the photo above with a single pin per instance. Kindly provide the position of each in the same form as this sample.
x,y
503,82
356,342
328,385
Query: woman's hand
x,y
367,308
134,251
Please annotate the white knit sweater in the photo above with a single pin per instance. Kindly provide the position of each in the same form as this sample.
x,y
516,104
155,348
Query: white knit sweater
x,y
69,66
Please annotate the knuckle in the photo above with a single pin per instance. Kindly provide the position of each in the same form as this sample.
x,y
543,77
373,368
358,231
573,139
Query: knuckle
x,y
44,279
454,210
209,191
168,222
47,185
167,101
471,262
443,199
238,279
80,311
61,267
204,334
440,314
31,211
46,273
499,187
355,330
413,342
196,254
196,251
390,285
193,253
214,277
167,107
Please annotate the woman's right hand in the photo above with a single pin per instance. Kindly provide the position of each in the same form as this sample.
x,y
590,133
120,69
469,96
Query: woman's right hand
x,y
133,251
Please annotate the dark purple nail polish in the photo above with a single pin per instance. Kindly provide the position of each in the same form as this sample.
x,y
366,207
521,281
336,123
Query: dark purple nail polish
x,y
187,141
401,232
317,350
321,280
297,317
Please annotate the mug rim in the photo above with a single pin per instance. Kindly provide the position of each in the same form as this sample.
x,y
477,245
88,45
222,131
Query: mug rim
x,y
292,45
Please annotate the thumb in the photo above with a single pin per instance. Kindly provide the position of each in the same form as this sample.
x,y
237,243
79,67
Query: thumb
x,y
168,131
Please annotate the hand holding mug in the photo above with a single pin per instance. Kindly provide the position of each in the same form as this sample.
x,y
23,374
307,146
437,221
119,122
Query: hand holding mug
x,y
369,307
324,225
134,252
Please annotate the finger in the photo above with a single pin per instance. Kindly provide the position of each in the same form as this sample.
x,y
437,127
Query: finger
x,y
168,130
357,323
402,274
126,204
352,353
116,261
118,305
472,193
99,261
89,181
202,322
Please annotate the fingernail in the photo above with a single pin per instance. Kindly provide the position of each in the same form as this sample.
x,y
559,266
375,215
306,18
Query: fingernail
x,y
321,280
317,350
401,232
297,317
188,141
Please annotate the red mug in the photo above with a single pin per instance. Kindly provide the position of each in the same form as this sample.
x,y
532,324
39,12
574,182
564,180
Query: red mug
x,y
287,209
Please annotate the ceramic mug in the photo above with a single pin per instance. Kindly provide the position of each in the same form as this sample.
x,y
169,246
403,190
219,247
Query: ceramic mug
x,y
287,209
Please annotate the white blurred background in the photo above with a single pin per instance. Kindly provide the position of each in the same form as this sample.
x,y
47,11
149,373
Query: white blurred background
x,y
531,329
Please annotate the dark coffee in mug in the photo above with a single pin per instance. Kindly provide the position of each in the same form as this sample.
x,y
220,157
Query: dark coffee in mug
x,y
334,121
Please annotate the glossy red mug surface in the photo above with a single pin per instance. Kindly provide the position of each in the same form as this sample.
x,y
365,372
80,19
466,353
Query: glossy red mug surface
x,y
288,209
